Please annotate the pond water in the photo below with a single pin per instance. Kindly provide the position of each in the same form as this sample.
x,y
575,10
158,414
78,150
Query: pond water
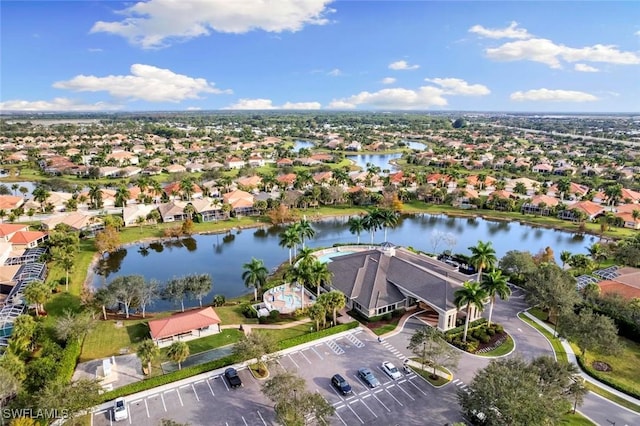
x,y
222,255
379,160
298,145
29,185
415,145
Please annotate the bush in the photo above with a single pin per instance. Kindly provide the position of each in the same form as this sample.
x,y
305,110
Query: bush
x,y
249,311
387,317
397,313
490,331
68,361
473,325
484,337
498,328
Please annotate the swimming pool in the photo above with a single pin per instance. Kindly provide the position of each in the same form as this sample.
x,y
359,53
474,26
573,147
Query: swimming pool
x,y
325,258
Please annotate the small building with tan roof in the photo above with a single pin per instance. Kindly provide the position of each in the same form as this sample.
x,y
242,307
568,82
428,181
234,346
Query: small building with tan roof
x,y
187,325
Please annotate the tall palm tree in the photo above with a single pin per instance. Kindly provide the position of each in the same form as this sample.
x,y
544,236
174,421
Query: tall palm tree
x,y
37,293
319,273
306,256
371,222
336,300
305,230
301,275
483,256
495,284
255,275
95,195
122,195
356,226
470,295
564,185
186,187
147,352
388,219
565,255
178,352
317,313
289,238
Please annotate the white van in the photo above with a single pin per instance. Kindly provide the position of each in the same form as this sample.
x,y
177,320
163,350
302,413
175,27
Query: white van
x,y
120,410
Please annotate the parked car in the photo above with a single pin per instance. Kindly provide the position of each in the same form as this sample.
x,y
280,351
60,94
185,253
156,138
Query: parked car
x,y
120,410
367,376
391,370
232,377
341,384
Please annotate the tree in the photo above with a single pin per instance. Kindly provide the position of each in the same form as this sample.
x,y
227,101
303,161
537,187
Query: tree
x,y
317,312
147,293
255,275
591,331
9,386
289,239
305,230
104,297
124,290
12,363
107,241
564,185
552,289
24,328
483,256
470,296
517,264
95,196
565,255
198,286
356,226
293,403
66,259
334,301
255,345
122,196
428,344
148,352
371,223
71,398
512,392
319,273
72,325
174,291
178,352
495,284
388,219
37,293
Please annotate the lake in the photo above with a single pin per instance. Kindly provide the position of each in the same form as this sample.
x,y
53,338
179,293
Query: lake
x,y
222,255
379,160
415,145
298,145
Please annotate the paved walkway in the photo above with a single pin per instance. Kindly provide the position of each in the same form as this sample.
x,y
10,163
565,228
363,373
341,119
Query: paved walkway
x,y
248,327
572,359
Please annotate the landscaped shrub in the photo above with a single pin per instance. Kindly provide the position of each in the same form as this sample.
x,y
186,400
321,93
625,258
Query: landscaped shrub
x,y
473,325
249,311
397,313
298,340
490,331
387,317
498,328
484,337
68,361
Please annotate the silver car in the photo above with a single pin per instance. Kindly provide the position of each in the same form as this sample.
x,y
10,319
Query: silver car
x,y
367,376
391,370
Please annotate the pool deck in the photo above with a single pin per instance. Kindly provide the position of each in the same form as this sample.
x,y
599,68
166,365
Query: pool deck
x,y
272,298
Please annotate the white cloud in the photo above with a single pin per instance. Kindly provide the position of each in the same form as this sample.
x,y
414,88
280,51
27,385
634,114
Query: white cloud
x,y
57,104
512,31
334,72
402,65
637,33
146,83
388,80
456,86
94,49
261,103
193,108
156,23
422,98
302,105
553,96
549,53
585,68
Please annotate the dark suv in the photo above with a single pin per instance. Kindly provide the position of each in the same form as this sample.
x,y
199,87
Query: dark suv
x,y
232,377
341,384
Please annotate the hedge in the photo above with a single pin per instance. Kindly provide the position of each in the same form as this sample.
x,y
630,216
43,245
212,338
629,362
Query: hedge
x,y
472,325
68,360
305,338
215,364
605,379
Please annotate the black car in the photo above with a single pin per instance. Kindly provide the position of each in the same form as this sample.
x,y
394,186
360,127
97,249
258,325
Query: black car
x,y
232,377
341,384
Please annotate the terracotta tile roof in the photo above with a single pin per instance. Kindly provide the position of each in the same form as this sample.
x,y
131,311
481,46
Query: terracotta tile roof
x,y
9,202
183,323
624,290
589,207
10,228
288,178
549,201
26,237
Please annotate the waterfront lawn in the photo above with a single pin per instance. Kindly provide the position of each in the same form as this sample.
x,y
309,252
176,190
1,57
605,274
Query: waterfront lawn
x,y
224,338
231,312
281,334
108,339
624,365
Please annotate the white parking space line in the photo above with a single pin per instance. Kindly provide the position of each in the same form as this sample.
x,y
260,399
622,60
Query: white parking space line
x,y
245,422
147,407
130,422
260,415
382,403
179,397
163,404
406,393
417,387
354,401
355,414
391,395
317,353
343,422
224,381
294,363
368,408
336,392
210,388
305,357
280,364
194,392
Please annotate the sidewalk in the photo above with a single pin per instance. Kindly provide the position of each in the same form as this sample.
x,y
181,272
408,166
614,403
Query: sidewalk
x,y
248,327
572,359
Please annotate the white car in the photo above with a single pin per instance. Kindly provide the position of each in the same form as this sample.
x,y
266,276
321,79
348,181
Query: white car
x,y
120,410
391,370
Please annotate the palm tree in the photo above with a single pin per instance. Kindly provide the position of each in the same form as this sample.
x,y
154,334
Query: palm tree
x,y
95,195
470,295
565,255
495,284
336,300
147,352
37,293
564,185
319,272
178,352
388,219
301,275
305,230
3,214
289,238
483,256
122,195
371,222
597,252
306,257
186,187
255,275
317,313
356,226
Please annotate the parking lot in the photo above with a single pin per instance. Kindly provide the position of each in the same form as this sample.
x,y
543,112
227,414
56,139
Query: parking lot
x,y
209,401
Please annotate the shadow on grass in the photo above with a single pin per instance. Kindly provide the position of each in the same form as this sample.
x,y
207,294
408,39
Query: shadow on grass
x,y
138,332
61,302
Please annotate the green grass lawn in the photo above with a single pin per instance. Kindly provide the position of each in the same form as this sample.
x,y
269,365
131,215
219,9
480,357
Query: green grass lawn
x,y
224,338
576,419
379,331
287,333
561,355
625,371
106,339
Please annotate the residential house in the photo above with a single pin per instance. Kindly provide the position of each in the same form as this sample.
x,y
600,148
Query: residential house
x,y
623,281
187,325
241,202
209,210
589,209
286,181
542,168
233,163
175,168
130,214
173,211
540,205
75,220
284,162
256,160
10,202
249,182
174,191
123,158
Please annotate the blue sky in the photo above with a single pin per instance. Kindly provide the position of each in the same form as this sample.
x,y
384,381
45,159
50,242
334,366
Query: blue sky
x,y
320,55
